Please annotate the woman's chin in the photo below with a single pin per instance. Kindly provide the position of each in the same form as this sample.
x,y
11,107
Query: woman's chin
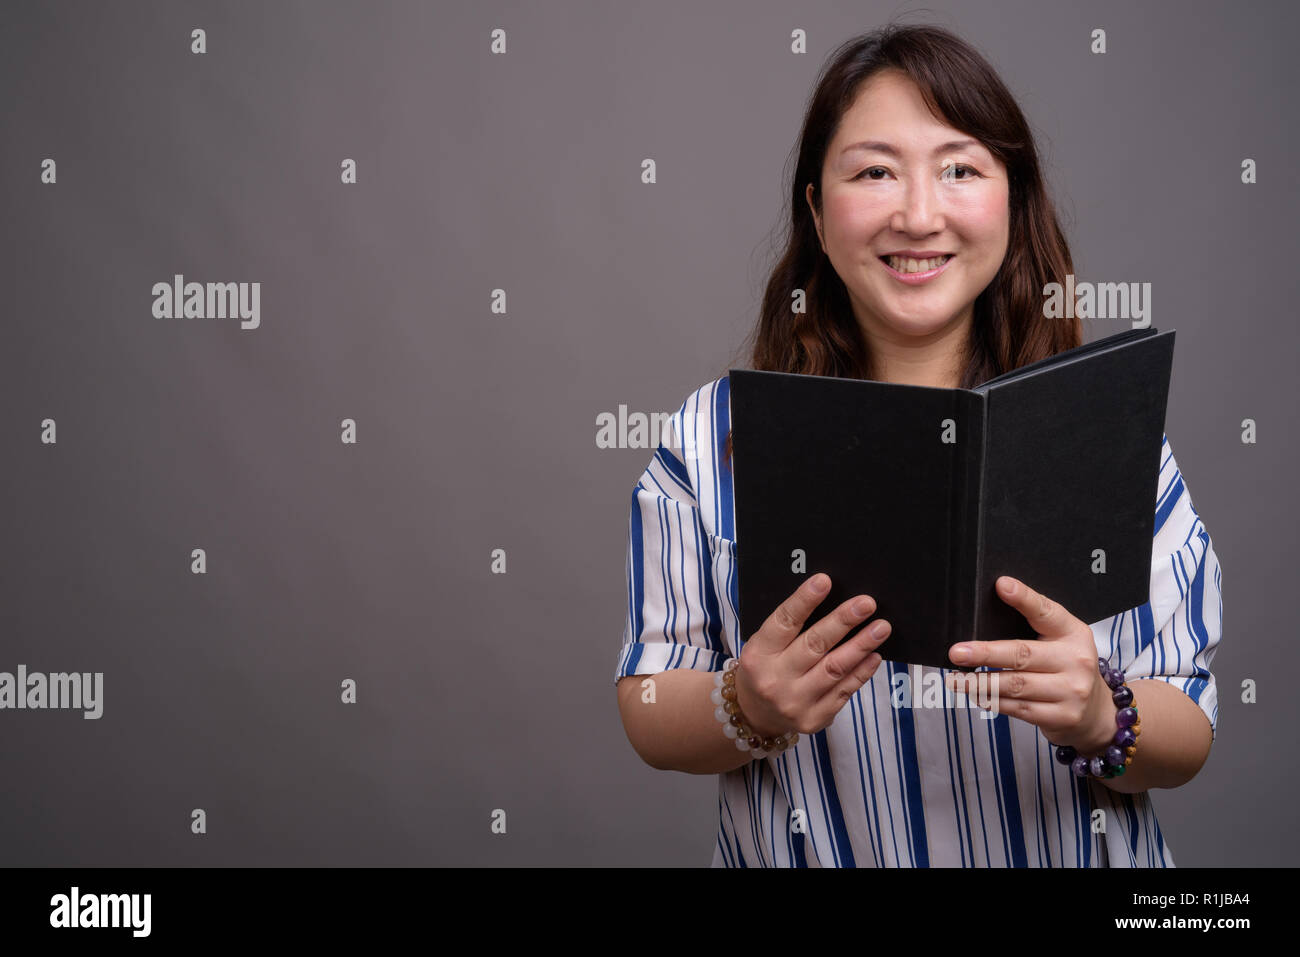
x,y
920,325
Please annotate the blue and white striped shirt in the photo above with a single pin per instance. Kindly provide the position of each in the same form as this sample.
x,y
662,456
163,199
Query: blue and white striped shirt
x,y
886,786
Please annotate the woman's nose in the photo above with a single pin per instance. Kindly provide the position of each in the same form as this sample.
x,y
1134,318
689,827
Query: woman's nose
x,y
919,211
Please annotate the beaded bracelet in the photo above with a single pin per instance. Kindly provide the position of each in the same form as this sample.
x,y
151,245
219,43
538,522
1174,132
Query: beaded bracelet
x,y
1119,754
734,723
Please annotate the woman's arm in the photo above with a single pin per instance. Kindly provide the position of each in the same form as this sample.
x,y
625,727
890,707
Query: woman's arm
x,y
675,729
1175,646
1174,743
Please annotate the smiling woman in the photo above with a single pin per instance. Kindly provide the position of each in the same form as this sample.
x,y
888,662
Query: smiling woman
x,y
921,238
916,224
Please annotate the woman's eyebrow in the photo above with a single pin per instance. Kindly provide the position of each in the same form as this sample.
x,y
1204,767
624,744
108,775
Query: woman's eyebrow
x,y
886,148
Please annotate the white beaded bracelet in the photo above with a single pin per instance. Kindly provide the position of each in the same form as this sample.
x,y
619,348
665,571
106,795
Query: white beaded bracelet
x,y
734,723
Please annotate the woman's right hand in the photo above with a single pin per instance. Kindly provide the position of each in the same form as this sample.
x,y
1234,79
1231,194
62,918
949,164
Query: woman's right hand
x,y
791,679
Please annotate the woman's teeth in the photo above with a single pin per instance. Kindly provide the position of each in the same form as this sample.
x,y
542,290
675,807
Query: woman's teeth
x,y
899,264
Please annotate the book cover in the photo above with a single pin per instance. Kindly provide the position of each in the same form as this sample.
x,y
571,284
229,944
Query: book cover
x,y
922,497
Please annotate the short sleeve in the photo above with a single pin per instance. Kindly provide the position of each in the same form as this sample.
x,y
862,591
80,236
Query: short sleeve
x,y
1175,634
674,618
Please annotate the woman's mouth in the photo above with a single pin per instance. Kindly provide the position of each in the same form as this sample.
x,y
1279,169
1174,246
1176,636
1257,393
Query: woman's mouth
x,y
915,271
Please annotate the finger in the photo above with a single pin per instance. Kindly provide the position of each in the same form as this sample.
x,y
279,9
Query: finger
x,y
848,686
1019,654
821,638
786,623
1046,617
1008,685
1050,716
830,670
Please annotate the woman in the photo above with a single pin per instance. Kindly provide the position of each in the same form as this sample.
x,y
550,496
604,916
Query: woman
x,y
921,239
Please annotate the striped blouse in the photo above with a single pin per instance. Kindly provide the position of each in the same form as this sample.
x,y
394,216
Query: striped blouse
x,y
903,780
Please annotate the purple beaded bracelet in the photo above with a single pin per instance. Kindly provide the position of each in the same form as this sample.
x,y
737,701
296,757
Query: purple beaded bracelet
x,y
1119,754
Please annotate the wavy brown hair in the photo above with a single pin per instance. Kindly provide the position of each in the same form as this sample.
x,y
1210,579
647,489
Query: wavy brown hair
x,y
961,89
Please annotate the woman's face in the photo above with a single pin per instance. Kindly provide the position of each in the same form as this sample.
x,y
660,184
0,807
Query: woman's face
x,y
893,183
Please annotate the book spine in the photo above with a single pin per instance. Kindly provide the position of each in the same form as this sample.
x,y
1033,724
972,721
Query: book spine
x,y
968,495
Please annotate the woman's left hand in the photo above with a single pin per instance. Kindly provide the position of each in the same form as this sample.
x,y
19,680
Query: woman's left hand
x,y
1052,682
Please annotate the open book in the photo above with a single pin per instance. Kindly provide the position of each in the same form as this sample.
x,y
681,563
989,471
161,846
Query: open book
x,y
922,497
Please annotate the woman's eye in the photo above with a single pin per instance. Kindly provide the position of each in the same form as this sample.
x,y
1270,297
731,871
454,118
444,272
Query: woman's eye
x,y
950,173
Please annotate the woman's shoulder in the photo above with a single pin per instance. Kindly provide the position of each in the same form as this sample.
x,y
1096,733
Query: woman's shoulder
x,y
693,431
706,395
707,409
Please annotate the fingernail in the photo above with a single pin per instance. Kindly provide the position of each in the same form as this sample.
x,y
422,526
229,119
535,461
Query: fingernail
x,y
821,584
1008,587
960,654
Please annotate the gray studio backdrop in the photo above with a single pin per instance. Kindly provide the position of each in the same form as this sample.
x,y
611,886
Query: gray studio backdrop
x,y
476,430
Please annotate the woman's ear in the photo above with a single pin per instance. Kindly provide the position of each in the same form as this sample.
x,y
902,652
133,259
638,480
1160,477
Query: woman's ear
x,y
817,220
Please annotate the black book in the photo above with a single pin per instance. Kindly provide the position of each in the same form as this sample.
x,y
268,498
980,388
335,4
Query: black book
x,y
922,497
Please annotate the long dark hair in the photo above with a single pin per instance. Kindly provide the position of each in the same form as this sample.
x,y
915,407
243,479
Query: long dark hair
x,y
961,88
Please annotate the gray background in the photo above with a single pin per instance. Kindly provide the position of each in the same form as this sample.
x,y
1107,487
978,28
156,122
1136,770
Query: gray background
x,y
477,431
